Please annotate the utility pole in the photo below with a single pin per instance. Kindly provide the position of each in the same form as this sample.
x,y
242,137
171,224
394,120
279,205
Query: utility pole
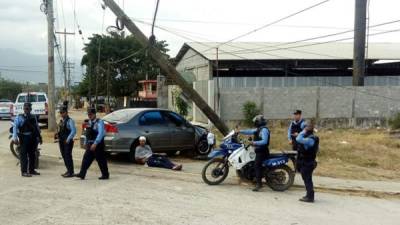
x,y
51,82
69,67
66,87
168,68
359,42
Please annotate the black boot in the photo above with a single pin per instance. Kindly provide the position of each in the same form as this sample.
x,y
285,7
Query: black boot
x,y
34,172
306,199
80,176
103,177
26,174
257,187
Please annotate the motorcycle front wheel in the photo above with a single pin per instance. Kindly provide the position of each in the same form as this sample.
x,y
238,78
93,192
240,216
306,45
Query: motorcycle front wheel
x,y
14,149
280,178
215,171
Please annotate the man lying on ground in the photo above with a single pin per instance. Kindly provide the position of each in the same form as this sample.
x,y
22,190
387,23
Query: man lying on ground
x,y
144,155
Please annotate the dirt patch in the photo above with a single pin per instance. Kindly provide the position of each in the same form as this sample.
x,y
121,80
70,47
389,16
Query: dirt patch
x,y
367,154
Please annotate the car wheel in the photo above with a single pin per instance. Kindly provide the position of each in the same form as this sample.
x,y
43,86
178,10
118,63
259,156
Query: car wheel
x,y
131,154
202,148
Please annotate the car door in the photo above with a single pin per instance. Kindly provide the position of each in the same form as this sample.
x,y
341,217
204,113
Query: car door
x,y
182,133
156,130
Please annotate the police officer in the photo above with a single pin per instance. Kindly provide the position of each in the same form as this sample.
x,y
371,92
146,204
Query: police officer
x,y
65,135
94,142
306,163
26,132
260,142
295,127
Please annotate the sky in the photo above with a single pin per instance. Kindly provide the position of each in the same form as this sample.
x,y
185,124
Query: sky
x,y
23,26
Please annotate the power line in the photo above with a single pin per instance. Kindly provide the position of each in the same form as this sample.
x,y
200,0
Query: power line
x,y
304,40
24,70
239,23
269,24
323,36
129,56
274,22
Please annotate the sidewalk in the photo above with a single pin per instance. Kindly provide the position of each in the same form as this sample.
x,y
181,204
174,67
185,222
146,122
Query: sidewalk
x,y
194,167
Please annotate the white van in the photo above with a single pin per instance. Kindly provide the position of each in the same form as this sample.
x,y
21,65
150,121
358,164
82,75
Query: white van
x,y
39,104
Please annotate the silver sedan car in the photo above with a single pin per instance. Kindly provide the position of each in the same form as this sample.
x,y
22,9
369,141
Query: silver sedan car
x,y
166,131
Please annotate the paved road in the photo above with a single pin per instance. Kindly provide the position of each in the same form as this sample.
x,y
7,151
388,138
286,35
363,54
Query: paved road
x,y
4,126
141,195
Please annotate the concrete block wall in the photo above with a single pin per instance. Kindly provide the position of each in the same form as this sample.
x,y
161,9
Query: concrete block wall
x,y
349,106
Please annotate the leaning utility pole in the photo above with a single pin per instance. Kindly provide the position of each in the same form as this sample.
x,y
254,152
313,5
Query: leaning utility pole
x,y
167,67
51,82
359,42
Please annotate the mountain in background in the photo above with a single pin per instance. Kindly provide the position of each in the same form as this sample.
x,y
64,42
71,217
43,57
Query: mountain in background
x,y
24,67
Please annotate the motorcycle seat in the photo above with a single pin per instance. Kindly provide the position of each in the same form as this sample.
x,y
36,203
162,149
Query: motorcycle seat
x,y
275,155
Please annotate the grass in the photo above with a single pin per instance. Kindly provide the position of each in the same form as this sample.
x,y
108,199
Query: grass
x,y
370,154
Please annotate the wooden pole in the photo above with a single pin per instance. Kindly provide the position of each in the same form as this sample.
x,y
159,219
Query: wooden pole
x,y
51,83
359,42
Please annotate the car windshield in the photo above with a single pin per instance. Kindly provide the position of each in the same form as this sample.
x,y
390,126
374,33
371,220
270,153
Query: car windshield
x,y
120,116
4,100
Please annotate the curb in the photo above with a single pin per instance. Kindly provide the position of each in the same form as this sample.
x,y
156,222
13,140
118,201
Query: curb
x,y
359,192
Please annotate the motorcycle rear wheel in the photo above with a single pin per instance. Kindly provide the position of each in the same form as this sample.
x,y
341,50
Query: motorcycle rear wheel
x,y
218,172
280,178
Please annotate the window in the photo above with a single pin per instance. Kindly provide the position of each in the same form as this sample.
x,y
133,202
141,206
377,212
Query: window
x,y
120,116
41,98
175,118
151,118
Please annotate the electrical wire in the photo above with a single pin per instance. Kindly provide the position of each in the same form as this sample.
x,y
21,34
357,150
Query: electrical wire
x,y
323,36
268,25
129,56
152,38
274,22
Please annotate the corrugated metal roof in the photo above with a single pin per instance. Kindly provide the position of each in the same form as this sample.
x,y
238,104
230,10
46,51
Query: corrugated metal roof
x,y
282,51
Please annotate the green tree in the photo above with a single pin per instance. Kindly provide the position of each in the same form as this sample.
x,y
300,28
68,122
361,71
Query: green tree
x,y
9,89
122,75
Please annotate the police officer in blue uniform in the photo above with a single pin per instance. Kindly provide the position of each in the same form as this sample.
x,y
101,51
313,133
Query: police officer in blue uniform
x,y
306,163
26,132
65,135
261,137
295,127
94,142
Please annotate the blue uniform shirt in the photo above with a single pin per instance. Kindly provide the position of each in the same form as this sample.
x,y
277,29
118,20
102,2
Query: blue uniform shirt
x,y
302,126
72,128
99,127
306,141
263,135
18,122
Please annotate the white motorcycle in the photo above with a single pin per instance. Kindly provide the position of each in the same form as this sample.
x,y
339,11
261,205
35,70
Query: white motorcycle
x,y
278,175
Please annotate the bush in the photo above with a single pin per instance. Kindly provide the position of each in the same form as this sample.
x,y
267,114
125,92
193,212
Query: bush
x,y
250,110
394,122
180,104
